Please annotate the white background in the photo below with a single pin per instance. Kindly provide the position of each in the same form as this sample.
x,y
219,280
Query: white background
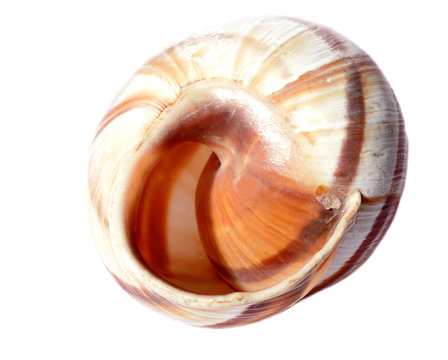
x,y
62,63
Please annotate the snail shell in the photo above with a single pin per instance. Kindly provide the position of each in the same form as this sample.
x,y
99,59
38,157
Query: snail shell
x,y
244,169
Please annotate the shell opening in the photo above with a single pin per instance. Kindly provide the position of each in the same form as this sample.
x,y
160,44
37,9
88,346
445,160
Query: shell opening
x,y
245,220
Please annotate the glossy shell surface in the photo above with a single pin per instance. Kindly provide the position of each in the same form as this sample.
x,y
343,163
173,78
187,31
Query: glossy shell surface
x,y
245,168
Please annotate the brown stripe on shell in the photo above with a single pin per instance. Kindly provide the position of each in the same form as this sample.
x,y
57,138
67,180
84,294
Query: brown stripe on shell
x,y
373,200
329,37
133,103
293,252
384,218
318,77
382,222
349,159
346,169
150,238
351,149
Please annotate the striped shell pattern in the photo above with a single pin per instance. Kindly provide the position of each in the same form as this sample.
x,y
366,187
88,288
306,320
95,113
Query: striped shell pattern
x,y
244,169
